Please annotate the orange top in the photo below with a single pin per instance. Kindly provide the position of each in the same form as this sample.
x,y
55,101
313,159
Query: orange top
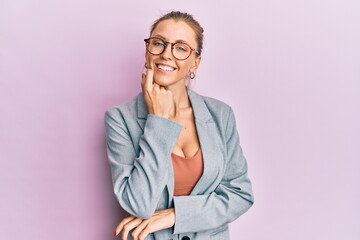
x,y
187,171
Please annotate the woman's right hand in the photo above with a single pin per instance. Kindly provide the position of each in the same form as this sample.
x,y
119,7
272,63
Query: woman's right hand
x,y
159,101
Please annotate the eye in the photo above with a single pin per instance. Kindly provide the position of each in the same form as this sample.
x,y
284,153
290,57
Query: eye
x,y
158,43
181,47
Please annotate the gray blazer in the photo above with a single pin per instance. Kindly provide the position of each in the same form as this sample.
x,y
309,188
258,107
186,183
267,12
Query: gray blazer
x,y
139,147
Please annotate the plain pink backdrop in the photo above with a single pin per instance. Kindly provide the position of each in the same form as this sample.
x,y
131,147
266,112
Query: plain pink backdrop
x,y
290,70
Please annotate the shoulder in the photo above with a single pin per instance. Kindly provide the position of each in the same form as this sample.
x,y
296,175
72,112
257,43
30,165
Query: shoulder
x,y
214,103
218,109
127,109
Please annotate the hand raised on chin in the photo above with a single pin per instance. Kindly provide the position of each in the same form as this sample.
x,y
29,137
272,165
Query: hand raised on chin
x,y
159,101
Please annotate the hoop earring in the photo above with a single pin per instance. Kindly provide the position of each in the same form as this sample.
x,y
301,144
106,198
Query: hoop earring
x,y
146,66
192,75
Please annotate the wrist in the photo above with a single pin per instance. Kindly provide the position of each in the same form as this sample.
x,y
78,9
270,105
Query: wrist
x,y
163,115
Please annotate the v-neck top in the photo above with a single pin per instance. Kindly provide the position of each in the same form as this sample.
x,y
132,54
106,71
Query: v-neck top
x,y
187,172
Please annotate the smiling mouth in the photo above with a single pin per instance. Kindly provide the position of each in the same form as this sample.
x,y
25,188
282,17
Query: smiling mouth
x,y
165,68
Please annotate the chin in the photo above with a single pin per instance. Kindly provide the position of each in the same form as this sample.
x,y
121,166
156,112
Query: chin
x,y
162,81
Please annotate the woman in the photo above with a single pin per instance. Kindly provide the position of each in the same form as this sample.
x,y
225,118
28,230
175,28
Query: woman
x,y
176,163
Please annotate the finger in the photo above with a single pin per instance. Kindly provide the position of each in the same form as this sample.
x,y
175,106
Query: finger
x,y
143,78
129,226
151,66
139,229
149,77
146,231
122,223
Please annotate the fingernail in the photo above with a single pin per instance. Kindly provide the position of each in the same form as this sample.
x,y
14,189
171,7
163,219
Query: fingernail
x,y
114,233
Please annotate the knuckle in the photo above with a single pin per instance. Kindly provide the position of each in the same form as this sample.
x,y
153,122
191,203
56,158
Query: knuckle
x,y
124,235
126,228
148,228
143,234
134,235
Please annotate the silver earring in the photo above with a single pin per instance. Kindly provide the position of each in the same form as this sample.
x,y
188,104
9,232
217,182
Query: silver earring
x,y
192,75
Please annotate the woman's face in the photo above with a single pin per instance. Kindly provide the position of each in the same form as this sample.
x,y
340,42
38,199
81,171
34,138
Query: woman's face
x,y
171,31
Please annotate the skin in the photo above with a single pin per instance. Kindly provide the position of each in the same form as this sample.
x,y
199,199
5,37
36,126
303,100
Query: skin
x,y
166,96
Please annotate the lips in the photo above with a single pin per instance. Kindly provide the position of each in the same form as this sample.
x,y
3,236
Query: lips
x,y
165,67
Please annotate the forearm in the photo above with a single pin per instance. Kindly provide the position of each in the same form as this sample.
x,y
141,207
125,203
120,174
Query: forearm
x,y
231,197
213,210
139,181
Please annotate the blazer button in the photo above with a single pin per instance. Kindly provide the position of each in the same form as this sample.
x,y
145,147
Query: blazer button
x,y
185,238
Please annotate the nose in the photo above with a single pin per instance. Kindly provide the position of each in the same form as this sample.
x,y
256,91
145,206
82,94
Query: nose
x,y
167,51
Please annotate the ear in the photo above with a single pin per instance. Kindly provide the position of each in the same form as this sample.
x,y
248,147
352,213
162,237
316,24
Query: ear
x,y
196,64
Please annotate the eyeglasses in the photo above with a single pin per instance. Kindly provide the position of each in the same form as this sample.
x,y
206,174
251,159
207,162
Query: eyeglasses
x,y
179,50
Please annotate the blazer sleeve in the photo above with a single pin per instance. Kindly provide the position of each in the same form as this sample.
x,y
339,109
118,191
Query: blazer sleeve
x,y
138,181
231,198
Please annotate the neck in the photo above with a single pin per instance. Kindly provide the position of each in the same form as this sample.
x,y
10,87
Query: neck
x,y
181,98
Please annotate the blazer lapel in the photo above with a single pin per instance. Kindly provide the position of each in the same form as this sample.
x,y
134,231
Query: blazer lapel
x,y
206,130
205,127
207,133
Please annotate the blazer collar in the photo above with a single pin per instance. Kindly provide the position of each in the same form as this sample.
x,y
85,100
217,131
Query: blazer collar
x,y
198,104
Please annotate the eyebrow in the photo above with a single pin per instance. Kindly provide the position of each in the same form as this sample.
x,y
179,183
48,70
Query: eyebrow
x,y
179,40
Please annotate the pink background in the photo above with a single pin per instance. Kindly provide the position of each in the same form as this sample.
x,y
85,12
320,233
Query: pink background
x,y
290,70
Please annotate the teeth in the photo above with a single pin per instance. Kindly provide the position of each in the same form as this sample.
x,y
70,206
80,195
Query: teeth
x,y
166,68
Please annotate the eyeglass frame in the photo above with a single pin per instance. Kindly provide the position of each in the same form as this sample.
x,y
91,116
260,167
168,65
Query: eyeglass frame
x,y
147,40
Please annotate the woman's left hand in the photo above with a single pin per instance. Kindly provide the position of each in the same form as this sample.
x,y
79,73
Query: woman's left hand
x,y
161,219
